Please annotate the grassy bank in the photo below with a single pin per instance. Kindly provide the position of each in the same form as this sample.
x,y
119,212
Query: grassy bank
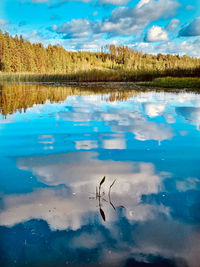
x,y
174,82
106,75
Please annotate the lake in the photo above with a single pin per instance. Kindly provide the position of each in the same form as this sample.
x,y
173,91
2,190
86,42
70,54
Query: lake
x,y
56,145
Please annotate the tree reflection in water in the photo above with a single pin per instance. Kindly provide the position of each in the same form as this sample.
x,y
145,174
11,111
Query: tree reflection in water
x,y
19,97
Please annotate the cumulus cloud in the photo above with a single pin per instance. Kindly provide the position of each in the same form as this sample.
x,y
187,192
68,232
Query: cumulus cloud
x,y
154,131
117,242
193,29
155,34
124,20
74,28
191,48
124,121
67,206
142,129
154,109
114,143
74,177
80,172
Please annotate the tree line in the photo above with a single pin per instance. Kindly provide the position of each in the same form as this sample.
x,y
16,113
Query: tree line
x,y
19,55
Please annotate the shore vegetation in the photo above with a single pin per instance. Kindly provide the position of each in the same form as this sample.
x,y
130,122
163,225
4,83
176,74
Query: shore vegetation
x,y
174,82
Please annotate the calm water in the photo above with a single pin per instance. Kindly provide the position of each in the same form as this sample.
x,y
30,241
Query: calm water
x,y
56,145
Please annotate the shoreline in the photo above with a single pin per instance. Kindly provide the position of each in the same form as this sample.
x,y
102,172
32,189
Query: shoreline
x,y
164,83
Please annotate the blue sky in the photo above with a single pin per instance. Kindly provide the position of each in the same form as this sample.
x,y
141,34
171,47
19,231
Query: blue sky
x,y
153,26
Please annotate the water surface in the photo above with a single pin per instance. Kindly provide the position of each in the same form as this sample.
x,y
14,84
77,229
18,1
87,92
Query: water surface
x,y
56,145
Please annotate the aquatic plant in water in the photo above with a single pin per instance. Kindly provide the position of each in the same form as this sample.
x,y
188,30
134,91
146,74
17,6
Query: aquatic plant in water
x,y
101,197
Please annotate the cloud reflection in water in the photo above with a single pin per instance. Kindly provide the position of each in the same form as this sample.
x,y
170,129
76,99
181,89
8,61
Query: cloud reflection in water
x,y
68,147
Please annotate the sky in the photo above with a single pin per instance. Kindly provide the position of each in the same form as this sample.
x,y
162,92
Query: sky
x,y
150,26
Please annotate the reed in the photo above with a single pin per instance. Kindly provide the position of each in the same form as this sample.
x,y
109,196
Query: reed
x,y
95,75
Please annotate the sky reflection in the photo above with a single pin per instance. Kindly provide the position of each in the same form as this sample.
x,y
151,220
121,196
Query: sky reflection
x,y
57,153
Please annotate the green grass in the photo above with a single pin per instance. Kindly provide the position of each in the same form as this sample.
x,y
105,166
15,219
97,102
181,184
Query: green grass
x,y
174,82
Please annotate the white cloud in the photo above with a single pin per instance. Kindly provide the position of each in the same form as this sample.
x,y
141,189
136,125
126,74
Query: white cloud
x,y
142,129
143,14
190,48
154,109
84,176
142,2
152,131
62,209
126,120
155,34
74,28
123,20
114,143
172,238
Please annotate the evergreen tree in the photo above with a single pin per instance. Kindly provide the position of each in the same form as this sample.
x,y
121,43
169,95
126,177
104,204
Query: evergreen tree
x,y
18,55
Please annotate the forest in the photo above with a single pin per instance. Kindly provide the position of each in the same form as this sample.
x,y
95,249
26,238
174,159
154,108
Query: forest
x,y
20,56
